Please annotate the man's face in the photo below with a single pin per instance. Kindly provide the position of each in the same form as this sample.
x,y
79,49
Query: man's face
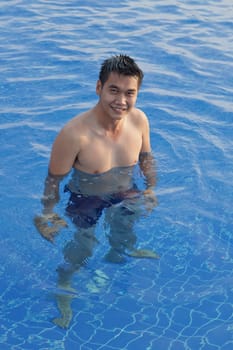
x,y
118,95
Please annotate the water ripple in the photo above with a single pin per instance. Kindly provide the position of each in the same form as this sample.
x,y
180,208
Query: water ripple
x,y
50,55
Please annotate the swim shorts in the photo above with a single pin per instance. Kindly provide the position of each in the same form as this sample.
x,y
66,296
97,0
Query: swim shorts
x,y
85,210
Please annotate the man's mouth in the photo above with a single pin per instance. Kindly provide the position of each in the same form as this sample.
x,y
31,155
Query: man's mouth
x,y
118,109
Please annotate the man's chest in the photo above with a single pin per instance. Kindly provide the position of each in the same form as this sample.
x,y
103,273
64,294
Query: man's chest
x,y
103,153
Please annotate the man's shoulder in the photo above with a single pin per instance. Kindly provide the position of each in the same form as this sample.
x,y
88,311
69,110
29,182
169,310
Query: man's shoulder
x,y
74,128
80,121
138,116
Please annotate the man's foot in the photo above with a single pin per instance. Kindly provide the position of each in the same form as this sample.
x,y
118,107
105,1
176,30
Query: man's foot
x,y
62,322
64,306
114,257
143,253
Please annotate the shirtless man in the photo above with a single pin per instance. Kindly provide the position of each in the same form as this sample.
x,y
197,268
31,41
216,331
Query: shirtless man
x,y
102,146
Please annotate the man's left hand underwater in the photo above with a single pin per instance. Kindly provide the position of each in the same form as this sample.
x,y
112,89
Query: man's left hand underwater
x,y
49,225
150,199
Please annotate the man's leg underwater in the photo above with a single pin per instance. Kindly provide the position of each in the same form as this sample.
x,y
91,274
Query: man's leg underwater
x,y
76,254
120,219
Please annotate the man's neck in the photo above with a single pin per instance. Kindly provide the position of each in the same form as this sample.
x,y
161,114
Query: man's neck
x,y
109,126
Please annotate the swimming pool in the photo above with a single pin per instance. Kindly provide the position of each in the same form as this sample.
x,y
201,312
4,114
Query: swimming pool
x,y
50,56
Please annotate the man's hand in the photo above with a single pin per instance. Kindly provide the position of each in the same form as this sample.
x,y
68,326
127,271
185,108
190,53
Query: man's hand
x,y
49,225
150,199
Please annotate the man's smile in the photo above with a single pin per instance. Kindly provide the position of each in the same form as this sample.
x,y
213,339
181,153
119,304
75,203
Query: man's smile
x,y
119,109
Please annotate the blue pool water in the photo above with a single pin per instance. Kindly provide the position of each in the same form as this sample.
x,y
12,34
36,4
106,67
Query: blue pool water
x,y
50,53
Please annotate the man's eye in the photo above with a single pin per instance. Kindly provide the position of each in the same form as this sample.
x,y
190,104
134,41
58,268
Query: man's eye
x,y
113,91
130,93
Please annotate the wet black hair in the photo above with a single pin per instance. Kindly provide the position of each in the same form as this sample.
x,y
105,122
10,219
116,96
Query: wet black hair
x,y
121,64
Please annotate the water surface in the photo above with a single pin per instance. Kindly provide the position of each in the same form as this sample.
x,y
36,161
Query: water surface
x,y
50,53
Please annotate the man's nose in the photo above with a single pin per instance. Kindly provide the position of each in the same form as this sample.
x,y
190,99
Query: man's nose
x,y
120,99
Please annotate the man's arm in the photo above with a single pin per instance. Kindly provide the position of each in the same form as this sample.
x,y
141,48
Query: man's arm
x,y
62,158
148,167
64,152
49,223
146,159
51,194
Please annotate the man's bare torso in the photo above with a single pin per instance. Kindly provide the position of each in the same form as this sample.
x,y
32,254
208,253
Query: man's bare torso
x,y
100,150
104,163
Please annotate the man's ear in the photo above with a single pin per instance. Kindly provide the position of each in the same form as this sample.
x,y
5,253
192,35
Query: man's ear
x,y
98,87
